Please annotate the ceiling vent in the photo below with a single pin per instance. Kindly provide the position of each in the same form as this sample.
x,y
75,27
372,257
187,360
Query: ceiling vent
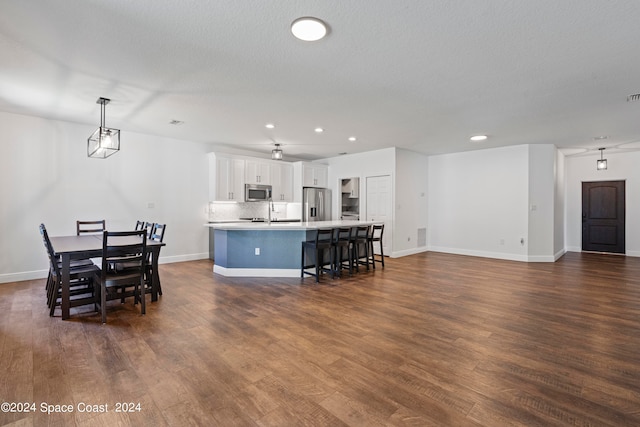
x,y
635,97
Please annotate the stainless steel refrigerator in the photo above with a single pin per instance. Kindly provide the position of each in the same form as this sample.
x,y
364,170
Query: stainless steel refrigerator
x,y
316,204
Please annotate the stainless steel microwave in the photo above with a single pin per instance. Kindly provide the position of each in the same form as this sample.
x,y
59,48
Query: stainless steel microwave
x,y
257,193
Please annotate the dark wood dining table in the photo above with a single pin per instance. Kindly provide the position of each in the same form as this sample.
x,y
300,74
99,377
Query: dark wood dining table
x,y
90,246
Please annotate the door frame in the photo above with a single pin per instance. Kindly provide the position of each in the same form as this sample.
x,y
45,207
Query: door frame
x,y
620,213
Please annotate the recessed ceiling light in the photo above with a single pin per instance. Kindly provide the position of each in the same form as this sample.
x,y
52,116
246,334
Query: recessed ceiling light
x,y
308,29
352,139
600,138
319,130
176,122
270,126
478,137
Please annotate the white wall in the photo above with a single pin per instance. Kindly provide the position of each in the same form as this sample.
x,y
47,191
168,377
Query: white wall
x,y
621,166
371,163
46,177
410,201
559,226
542,185
478,202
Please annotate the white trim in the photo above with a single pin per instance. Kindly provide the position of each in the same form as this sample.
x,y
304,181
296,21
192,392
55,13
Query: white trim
x,y
42,274
182,258
256,272
23,275
541,258
483,254
406,252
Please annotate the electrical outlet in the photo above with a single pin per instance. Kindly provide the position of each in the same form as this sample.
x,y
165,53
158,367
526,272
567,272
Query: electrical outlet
x,y
257,251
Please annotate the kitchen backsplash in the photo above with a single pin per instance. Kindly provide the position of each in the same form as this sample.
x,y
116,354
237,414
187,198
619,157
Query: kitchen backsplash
x,y
232,211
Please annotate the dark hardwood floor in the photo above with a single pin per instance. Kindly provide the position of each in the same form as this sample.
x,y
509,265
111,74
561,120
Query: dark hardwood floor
x,y
431,340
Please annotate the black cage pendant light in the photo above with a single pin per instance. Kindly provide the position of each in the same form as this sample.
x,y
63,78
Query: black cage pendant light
x,y
104,141
601,164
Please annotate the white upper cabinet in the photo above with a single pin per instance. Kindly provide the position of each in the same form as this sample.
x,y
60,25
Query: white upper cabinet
x,y
226,178
257,172
282,182
351,187
314,175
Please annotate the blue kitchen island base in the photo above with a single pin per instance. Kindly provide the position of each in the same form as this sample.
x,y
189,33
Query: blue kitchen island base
x,y
259,253
266,249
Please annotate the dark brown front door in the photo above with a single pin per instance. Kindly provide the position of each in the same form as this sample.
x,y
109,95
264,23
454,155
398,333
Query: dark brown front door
x,y
603,206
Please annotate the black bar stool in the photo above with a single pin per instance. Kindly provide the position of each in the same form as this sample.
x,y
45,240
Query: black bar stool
x,y
375,235
359,241
319,246
341,245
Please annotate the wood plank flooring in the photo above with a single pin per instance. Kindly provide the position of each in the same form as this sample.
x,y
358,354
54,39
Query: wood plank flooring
x,y
431,340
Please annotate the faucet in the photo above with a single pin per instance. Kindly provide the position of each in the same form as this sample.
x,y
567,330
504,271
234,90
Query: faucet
x,y
271,207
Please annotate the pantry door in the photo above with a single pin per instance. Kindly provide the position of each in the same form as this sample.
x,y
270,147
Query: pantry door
x,y
379,207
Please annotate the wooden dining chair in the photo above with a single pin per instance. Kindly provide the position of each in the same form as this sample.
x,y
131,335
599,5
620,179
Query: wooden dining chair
x,y
127,249
157,235
82,291
90,227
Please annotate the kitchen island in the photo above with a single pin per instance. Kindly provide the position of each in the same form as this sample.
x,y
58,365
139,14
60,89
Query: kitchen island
x,y
260,249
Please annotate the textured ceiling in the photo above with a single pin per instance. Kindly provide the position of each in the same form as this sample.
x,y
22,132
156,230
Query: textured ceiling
x,y
424,75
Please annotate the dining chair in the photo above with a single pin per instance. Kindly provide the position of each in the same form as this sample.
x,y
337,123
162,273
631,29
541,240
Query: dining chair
x,y
318,247
82,291
90,227
127,250
157,235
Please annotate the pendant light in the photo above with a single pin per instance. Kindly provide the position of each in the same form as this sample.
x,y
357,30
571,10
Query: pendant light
x,y
276,153
104,141
601,164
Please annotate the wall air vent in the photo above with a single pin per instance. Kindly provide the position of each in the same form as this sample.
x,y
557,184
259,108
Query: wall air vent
x,y
635,97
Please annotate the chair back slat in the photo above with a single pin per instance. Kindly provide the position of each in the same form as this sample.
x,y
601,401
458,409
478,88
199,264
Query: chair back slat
x,y
120,247
157,234
89,227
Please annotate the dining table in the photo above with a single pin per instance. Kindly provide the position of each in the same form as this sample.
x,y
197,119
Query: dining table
x,y
69,248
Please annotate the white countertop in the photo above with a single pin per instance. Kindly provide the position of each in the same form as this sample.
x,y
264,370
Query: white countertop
x,y
275,226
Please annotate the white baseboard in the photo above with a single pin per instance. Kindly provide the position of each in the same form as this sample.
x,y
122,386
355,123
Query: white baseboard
x,y
23,275
405,252
42,274
256,272
482,254
182,258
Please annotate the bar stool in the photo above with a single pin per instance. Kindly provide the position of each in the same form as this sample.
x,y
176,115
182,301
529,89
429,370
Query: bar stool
x,y
359,241
375,235
318,246
341,245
